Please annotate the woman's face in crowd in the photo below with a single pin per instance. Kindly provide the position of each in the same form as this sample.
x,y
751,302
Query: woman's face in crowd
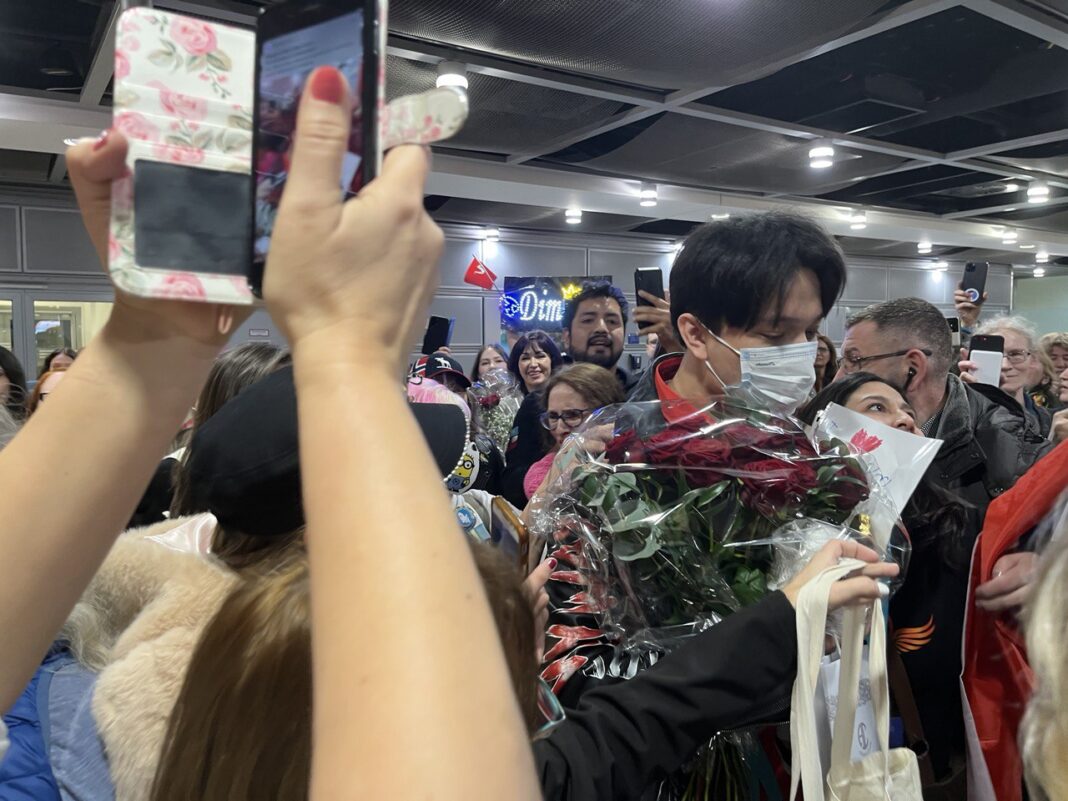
x,y
534,366
883,403
1059,357
566,401
1017,377
823,354
61,362
1064,386
490,360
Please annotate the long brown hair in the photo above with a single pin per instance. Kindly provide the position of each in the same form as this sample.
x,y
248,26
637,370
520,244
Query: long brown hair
x,y
241,729
826,376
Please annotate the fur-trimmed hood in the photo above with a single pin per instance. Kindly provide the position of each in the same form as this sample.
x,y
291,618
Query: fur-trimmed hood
x,y
137,624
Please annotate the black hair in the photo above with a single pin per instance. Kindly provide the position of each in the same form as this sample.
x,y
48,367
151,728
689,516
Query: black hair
x,y
69,352
595,289
937,520
732,271
476,374
542,341
17,394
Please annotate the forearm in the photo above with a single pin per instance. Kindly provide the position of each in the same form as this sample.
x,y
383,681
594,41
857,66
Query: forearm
x,y
75,472
412,695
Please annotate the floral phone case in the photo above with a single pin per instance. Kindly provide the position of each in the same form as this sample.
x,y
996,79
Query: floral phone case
x,y
183,98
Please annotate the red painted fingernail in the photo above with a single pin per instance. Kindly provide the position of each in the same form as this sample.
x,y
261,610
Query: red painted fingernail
x,y
327,84
552,564
102,139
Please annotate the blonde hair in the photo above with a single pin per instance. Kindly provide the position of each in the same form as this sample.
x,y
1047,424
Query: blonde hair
x,y
1044,732
1058,339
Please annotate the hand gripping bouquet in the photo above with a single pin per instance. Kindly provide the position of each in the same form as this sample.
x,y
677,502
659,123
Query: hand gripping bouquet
x,y
495,398
665,519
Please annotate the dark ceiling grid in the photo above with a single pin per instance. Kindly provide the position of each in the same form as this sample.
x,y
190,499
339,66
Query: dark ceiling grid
x,y
551,85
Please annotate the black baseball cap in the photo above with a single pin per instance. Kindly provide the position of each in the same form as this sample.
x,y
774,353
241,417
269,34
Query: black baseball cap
x,y
244,464
437,364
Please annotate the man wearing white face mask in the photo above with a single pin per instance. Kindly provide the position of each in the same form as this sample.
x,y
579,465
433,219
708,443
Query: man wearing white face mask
x,y
747,299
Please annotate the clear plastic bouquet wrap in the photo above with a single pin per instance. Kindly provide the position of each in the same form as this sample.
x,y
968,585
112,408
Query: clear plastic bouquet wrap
x,y
495,398
666,518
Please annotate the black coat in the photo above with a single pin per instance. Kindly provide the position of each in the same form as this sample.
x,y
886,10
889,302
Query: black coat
x,y
624,737
990,441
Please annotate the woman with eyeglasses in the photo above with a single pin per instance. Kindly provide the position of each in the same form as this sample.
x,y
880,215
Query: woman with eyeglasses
x,y
571,395
1021,369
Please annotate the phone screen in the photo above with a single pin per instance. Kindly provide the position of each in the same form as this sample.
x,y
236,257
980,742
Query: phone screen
x,y
286,58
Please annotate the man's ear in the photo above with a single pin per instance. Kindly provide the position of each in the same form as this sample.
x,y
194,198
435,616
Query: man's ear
x,y
693,335
918,365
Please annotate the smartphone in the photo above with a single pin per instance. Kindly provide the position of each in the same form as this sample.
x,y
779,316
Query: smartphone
x,y
651,280
293,38
954,330
987,352
438,334
973,282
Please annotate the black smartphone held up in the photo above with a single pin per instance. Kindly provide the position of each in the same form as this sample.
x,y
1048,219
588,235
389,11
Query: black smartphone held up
x,y
973,281
954,330
987,352
651,280
293,38
438,334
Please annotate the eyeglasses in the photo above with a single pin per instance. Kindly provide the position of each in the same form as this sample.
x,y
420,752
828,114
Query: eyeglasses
x,y
550,710
1017,356
853,363
571,418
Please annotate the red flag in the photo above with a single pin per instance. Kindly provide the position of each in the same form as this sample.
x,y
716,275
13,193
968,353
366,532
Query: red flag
x,y
479,274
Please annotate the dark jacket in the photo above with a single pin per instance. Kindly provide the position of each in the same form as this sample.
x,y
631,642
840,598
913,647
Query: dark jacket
x,y
626,736
989,442
528,443
526,446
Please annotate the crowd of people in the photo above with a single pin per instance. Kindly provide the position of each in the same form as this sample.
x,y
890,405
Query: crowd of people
x,y
275,575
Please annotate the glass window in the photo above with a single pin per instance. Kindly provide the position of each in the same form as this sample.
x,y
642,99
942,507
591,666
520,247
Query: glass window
x,y
65,324
7,324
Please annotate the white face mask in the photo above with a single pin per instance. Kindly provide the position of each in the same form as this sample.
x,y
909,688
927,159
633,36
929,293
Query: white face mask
x,y
776,378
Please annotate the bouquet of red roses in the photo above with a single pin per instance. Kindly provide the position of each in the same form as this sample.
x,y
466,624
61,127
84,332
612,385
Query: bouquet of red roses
x,y
495,398
666,523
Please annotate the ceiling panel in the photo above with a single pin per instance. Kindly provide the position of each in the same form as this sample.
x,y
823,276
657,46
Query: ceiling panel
x,y
666,44
513,215
954,80
696,152
48,45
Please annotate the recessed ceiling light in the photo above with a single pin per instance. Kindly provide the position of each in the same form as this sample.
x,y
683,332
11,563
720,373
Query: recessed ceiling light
x,y
1009,237
492,234
452,73
1010,208
1038,192
821,156
858,220
1042,257
1038,272
923,246
648,194
1027,247
724,216
1012,187
573,216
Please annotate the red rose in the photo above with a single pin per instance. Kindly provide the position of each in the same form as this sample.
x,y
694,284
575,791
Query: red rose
x,y
666,446
626,448
774,487
850,485
701,457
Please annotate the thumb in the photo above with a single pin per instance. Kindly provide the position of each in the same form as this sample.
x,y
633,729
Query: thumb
x,y
320,141
855,591
92,166
536,580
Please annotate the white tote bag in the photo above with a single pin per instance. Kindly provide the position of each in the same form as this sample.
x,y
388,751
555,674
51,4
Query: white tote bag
x,y
886,774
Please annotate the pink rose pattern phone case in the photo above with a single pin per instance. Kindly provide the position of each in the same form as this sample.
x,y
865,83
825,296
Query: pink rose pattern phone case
x,y
192,105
